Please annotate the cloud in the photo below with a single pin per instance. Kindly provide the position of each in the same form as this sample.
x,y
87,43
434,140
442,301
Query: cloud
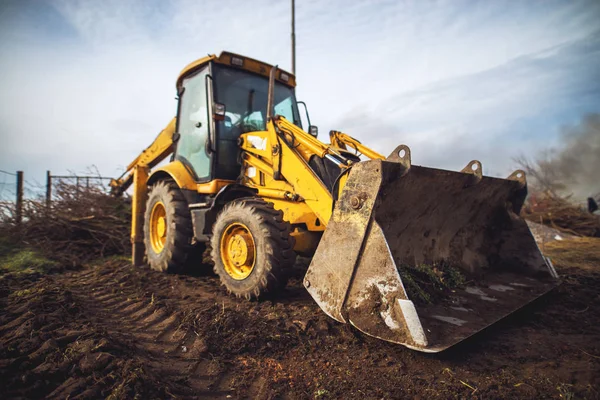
x,y
493,114
93,82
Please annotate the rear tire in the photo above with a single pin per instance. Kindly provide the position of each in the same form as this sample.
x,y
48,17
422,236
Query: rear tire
x,y
168,228
252,248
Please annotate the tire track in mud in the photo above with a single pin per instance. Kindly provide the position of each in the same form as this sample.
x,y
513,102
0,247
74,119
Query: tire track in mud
x,y
115,331
184,334
171,350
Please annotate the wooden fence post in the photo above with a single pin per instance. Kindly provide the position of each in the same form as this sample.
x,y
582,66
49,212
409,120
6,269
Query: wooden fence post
x,y
48,189
19,205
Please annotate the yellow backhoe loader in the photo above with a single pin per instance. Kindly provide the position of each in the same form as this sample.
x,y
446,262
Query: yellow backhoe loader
x,y
246,177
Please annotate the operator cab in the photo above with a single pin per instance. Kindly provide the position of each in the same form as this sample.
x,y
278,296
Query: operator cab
x,y
219,99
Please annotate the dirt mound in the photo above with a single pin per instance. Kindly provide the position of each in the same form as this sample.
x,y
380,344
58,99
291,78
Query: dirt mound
x,y
115,330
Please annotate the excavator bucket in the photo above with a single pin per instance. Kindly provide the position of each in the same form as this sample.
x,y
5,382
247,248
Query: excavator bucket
x,y
392,217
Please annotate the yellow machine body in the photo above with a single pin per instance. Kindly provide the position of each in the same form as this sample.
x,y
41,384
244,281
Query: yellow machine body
x,y
375,216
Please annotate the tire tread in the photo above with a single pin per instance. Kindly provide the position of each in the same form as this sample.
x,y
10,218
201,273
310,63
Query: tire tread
x,y
279,254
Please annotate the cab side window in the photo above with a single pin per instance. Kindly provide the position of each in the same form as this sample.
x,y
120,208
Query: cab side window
x,y
193,125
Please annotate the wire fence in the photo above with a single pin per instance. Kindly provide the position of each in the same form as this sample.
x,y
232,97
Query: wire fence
x,y
9,198
16,191
8,184
80,182
70,219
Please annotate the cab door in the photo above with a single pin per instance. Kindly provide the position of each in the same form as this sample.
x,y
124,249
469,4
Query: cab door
x,y
193,126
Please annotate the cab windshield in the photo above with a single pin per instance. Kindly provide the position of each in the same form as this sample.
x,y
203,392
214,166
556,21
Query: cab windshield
x,y
245,97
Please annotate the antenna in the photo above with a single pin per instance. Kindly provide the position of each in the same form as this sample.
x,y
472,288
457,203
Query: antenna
x,y
293,37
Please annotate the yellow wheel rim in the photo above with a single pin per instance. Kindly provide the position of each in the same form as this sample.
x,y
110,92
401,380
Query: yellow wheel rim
x,y
158,227
238,251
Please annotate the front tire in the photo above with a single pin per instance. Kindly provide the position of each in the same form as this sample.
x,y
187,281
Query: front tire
x,y
252,248
168,228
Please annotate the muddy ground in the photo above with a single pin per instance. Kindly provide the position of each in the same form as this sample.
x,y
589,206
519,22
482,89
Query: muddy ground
x,y
111,330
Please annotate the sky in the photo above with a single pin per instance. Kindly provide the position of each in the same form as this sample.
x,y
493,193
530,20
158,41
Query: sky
x,y
89,82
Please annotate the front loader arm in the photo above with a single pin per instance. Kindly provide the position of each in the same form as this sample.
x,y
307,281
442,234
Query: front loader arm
x,y
344,141
297,147
160,149
276,163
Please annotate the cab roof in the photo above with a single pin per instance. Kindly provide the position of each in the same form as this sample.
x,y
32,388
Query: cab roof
x,y
240,62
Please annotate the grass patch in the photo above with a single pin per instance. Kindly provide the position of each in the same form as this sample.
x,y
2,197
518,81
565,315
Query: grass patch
x,y
26,261
427,283
22,293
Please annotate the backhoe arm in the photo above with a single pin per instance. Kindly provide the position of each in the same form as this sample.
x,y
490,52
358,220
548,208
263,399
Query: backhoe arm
x,y
137,174
160,149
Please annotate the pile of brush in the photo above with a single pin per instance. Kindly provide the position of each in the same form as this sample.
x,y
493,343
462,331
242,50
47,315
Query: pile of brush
x,y
79,224
561,214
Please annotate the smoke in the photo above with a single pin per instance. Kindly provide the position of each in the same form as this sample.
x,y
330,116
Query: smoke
x,y
573,167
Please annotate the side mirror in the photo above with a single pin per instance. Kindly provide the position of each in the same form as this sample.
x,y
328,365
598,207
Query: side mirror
x,y
313,130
